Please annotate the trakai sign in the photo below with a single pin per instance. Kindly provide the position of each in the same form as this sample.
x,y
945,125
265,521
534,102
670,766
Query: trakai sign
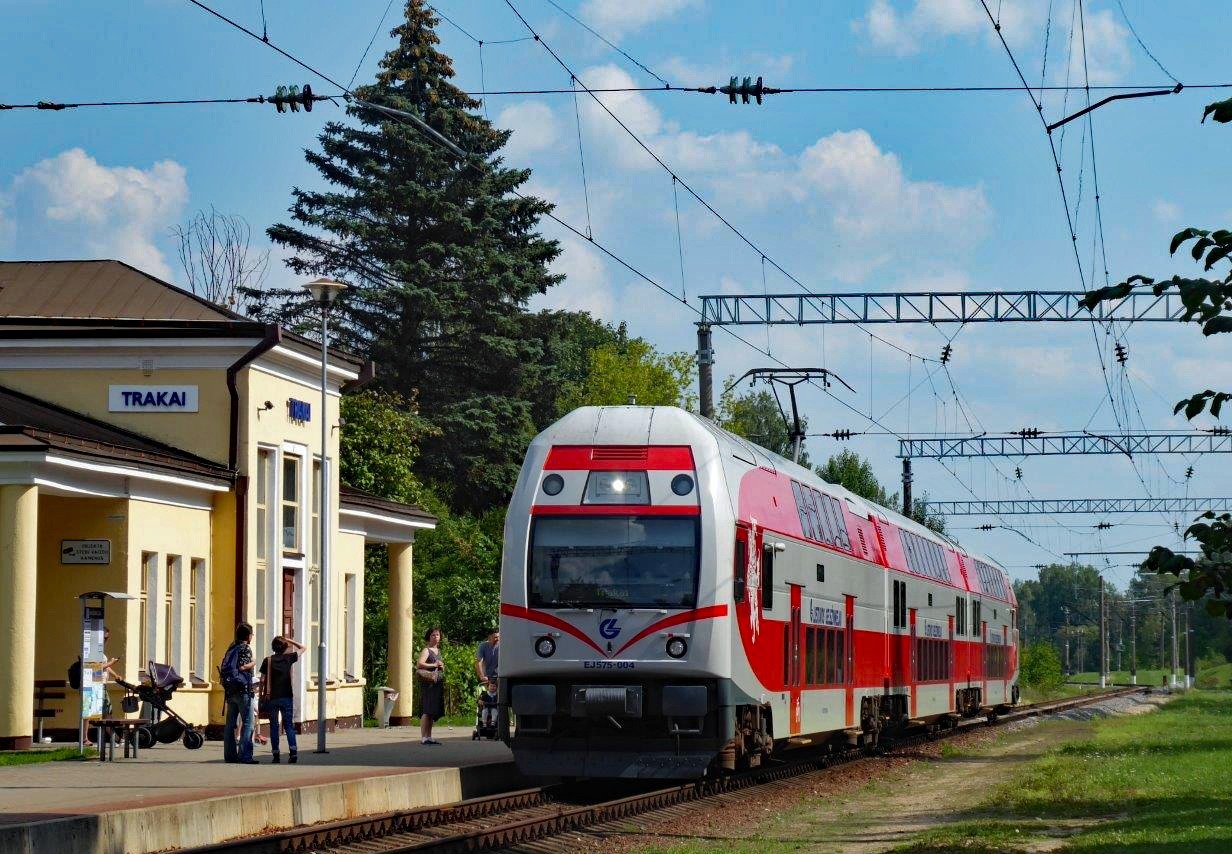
x,y
152,398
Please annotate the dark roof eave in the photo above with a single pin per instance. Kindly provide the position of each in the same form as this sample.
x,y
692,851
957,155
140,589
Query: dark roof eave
x,y
350,497
111,453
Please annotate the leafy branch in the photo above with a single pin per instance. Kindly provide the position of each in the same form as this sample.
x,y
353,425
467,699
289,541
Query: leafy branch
x,y
1207,301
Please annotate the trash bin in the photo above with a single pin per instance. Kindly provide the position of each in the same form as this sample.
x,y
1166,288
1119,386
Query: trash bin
x,y
385,699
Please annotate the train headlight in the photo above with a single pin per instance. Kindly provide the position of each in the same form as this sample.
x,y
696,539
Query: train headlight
x,y
553,484
677,647
545,647
682,484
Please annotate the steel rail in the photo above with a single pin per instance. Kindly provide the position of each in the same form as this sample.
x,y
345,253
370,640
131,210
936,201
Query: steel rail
x,y
547,817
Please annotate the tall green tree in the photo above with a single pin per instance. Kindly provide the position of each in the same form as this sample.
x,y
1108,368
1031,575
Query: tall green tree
x,y
441,257
568,339
849,469
1207,301
632,368
756,416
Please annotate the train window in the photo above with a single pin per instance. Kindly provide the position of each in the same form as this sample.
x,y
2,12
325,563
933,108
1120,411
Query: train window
x,y
960,616
839,659
819,520
806,523
767,579
930,600
821,572
975,620
740,565
836,518
613,561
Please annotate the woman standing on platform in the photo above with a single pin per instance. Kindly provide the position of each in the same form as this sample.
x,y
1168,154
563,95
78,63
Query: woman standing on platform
x,y
431,670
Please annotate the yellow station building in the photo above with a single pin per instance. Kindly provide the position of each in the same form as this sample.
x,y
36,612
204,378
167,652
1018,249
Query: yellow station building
x,y
156,445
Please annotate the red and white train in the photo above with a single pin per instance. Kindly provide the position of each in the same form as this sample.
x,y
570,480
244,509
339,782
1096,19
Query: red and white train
x,y
676,600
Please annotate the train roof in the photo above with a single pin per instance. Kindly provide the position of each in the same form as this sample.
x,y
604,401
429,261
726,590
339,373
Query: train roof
x,y
595,425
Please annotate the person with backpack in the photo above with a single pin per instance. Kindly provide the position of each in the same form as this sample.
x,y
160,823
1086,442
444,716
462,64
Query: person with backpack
x,y
236,675
278,694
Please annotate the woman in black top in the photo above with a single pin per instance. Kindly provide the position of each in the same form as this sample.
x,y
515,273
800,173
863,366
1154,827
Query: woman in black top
x,y
431,669
278,692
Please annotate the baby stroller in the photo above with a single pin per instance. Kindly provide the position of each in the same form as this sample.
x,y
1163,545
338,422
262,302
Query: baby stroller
x,y
156,688
485,716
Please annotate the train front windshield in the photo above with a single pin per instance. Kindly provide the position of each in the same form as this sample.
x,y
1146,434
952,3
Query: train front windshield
x,y
614,562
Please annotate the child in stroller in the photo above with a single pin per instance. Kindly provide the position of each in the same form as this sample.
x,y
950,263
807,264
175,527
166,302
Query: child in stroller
x,y
156,689
485,715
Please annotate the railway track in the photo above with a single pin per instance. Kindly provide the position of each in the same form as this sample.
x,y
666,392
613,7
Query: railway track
x,y
521,818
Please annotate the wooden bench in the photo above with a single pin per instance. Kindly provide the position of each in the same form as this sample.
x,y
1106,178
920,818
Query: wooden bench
x,y
111,730
44,690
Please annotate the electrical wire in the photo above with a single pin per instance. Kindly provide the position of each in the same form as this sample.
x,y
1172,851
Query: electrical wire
x,y
371,41
852,90
55,106
603,39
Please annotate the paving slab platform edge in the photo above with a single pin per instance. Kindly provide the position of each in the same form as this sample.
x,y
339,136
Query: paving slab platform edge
x,y
188,824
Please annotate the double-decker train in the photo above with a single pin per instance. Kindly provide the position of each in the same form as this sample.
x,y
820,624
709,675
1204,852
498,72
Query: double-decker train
x,y
677,601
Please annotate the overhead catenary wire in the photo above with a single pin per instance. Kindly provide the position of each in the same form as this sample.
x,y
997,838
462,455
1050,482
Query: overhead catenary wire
x,y
854,90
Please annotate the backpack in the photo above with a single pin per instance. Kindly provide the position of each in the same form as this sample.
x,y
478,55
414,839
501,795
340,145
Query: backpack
x,y
233,681
74,675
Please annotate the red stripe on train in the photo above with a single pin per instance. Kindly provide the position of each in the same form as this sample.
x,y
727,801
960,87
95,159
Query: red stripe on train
x,y
709,613
518,612
615,510
620,458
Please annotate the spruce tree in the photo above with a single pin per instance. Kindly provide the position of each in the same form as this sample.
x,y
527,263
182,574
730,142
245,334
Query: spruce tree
x,y
441,258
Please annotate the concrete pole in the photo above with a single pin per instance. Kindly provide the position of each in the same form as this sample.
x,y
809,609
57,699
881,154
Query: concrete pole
x,y
907,487
18,591
401,633
1133,643
705,370
1175,645
1103,637
1189,674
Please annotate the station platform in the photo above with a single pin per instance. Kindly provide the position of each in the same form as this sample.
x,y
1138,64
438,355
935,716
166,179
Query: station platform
x,y
172,798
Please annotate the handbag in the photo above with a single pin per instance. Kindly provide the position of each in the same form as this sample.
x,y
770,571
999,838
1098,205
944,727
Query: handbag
x,y
265,703
429,675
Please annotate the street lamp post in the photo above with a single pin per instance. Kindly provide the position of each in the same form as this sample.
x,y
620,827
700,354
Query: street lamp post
x,y
325,292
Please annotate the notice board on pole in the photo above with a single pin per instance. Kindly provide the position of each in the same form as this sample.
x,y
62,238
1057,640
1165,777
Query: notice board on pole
x,y
93,659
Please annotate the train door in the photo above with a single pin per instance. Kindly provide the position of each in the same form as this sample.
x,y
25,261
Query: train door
x,y
951,663
791,658
848,677
983,659
913,686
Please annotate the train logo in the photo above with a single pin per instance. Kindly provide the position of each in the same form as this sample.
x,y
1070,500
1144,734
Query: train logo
x,y
608,628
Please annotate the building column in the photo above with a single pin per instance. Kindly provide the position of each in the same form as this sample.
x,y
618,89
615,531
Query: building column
x,y
18,587
401,633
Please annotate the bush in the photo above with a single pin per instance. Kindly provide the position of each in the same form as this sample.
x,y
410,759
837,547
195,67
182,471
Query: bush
x,y
1041,667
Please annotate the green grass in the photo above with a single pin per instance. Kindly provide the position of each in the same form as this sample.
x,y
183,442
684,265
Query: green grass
x,y
1033,695
33,757
1146,676
1145,782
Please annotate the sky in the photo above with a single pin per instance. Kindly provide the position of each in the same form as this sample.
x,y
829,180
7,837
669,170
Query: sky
x,y
846,192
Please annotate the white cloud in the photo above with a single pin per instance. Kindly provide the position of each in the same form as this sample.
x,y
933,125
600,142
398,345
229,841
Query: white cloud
x,y
587,285
1108,56
615,18
870,203
684,72
1166,212
905,32
535,128
79,207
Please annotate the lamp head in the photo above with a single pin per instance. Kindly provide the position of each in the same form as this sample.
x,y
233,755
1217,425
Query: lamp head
x,y
325,291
